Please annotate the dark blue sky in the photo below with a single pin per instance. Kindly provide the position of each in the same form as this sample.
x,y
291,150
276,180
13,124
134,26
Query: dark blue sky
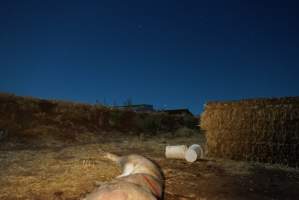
x,y
174,53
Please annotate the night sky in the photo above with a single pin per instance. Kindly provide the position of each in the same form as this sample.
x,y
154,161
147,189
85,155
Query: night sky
x,y
171,54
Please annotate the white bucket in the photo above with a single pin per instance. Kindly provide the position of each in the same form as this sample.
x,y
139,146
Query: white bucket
x,y
194,152
177,152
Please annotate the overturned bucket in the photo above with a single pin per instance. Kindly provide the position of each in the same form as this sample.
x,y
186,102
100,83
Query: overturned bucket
x,y
194,152
176,152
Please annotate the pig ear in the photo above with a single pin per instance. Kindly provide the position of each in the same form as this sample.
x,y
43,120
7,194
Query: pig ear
x,y
114,195
127,170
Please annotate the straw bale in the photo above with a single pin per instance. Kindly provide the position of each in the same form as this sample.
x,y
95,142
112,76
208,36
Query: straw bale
x,y
264,130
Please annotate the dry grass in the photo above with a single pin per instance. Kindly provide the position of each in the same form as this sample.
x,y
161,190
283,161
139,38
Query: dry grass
x,y
68,173
44,174
28,118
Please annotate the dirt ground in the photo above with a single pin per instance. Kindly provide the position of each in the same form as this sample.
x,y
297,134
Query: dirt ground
x,y
70,172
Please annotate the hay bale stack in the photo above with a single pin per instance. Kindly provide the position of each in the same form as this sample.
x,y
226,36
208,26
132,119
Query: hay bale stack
x,y
264,130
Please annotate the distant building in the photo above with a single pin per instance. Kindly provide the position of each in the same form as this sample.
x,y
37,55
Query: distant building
x,y
183,111
137,107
